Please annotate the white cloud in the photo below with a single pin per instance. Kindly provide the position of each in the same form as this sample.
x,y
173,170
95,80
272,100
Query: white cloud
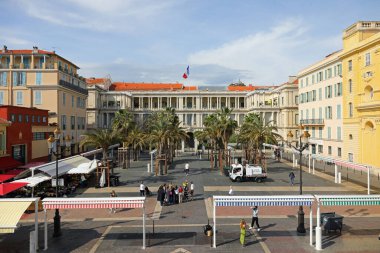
x,y
13,38
266,57
99,15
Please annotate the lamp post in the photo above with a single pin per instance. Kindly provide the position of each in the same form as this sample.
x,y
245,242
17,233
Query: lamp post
x,y
303,144
54,146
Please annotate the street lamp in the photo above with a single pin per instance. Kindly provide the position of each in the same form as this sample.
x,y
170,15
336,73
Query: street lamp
x,y
54,146
303,144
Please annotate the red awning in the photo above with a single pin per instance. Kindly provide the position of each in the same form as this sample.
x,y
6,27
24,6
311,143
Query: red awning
x,y
93,206
8,162
10,174
10,187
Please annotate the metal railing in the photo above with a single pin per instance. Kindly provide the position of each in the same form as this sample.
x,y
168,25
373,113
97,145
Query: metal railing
x,y
312,121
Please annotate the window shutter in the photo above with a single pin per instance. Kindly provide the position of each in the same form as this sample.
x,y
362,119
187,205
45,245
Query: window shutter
x,y
1,98
23,78
38,78
4,79
14,78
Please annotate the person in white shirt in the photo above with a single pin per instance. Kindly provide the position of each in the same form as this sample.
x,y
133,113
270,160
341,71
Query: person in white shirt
x,y
142,189
231,192
255,218
187,169
191,190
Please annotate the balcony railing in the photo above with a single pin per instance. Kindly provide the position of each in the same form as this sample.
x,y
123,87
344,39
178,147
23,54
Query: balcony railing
x,y
73,87
312,122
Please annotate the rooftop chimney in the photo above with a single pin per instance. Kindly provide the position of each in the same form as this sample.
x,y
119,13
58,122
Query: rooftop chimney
x,y
292,79
5,49
35,50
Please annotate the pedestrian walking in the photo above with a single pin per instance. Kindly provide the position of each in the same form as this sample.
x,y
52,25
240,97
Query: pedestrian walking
x,y
243,226
187,169
292,176
161,195
255,218
191,190
142,189
231,191
113,195
180,194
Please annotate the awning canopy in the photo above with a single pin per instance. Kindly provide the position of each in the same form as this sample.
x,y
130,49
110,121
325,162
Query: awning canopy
x,y
35,180
30,165
351,165
9,175
64,165
11,211
80,203
10,187
348,200
304,200
270,145
99,150
7,163
323,158
84,168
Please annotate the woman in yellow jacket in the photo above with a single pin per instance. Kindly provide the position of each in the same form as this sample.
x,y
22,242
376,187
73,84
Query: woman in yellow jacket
x,y
243,226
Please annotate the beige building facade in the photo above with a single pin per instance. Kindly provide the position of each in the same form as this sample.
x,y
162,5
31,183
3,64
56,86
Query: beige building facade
x,y
45,80
277,104
192,106
321,105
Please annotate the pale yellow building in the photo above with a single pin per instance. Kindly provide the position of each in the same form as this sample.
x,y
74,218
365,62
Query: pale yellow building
x,y
320,107
45,80
361,82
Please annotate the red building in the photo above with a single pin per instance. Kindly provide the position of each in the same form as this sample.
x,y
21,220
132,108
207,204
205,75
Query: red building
x,y
25,137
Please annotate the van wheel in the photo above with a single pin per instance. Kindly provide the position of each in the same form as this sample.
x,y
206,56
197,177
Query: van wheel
x,y
259,180
238,179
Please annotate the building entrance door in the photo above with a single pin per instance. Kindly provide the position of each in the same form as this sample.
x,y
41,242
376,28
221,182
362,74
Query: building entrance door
x,y
18,153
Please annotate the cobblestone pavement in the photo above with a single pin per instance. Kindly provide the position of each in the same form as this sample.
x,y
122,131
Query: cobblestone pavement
x,y
179,228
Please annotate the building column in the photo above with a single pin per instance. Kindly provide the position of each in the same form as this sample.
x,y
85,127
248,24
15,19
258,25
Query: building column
x,y
183,146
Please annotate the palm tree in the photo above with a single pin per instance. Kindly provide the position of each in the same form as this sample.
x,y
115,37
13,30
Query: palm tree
x,y
227,126
123,121
102,138
256,132
135,139
164,132
219,127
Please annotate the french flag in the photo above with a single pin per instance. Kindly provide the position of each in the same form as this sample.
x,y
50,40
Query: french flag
x,y
186,75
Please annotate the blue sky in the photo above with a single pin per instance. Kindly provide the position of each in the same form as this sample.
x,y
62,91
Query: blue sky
x,y
258,42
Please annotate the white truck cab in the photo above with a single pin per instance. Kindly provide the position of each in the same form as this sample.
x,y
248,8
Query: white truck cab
x,y
240,173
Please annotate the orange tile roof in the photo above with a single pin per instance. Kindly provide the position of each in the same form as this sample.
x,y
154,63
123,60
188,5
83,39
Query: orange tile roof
x,y
93,81
190,88
241,88
30,51
25,51
119,86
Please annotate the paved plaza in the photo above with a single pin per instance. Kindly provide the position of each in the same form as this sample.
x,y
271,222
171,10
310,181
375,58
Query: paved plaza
x,y
179,228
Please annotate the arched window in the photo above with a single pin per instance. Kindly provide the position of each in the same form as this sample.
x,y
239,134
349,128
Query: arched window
x,y
350,136
368,91
368,126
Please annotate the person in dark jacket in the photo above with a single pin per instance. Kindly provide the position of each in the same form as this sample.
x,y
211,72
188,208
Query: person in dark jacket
x,y
161,195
